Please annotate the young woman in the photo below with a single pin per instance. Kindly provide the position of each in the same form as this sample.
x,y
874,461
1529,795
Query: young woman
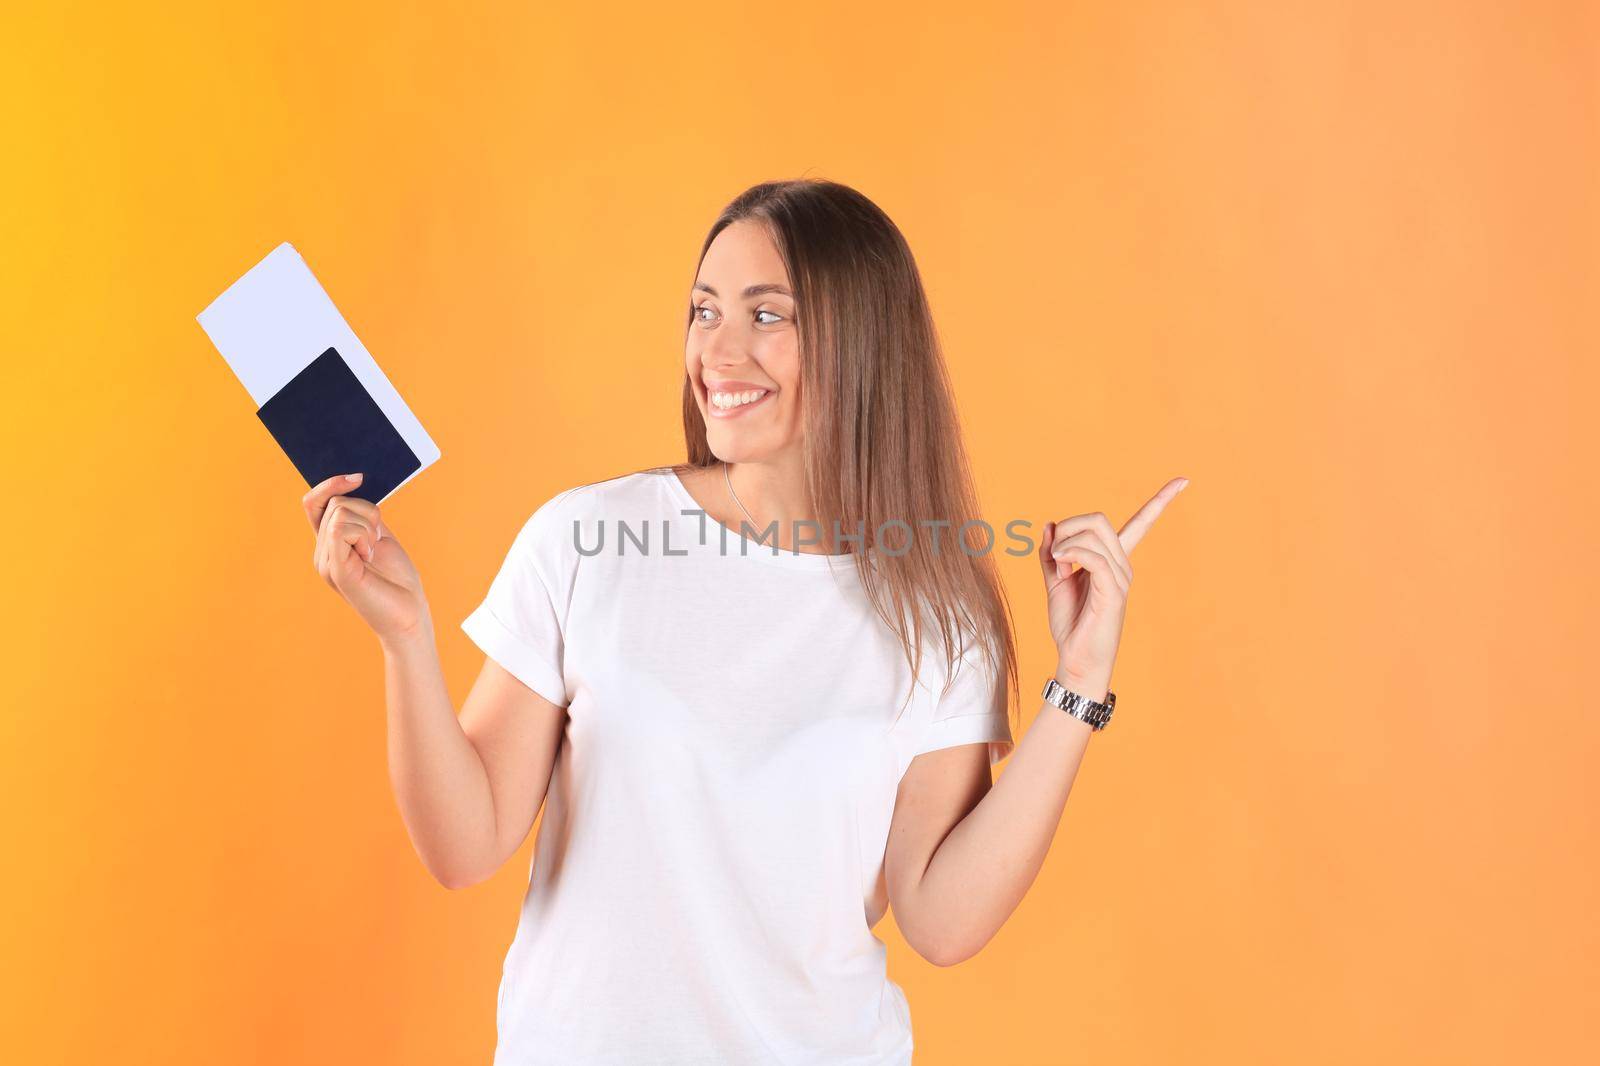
x,y
759,693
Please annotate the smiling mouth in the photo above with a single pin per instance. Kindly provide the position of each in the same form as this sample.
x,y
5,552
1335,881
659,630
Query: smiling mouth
x,y
733,404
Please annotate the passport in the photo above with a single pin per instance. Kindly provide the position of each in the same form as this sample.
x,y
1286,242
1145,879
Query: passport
x,y
314,385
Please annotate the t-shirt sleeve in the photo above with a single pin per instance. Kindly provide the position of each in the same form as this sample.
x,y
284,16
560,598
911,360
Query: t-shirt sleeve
x,y
972,711
520,622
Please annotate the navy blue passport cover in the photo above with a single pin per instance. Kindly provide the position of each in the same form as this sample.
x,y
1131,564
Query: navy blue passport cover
x,y
328,424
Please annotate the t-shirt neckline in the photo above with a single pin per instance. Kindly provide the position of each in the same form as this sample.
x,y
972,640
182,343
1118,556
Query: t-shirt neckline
x,y
720,539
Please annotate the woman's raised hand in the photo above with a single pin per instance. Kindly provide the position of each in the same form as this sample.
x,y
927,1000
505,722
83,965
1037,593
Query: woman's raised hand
x,y
1086,607
361,559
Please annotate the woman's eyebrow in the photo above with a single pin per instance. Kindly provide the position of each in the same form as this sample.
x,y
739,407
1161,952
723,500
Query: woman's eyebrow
x,y
750,290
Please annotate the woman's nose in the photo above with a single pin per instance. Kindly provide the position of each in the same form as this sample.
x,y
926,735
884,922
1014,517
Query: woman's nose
x,y
720,349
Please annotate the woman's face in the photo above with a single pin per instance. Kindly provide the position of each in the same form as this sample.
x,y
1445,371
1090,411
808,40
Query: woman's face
x,y
742,353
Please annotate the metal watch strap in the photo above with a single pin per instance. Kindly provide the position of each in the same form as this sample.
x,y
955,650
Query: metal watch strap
x,y
1097,715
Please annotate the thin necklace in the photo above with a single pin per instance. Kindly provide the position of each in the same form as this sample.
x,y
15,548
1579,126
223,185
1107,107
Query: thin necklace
x,y
729,478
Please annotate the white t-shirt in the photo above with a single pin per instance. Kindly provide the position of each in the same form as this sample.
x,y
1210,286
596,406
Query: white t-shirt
x,y
716,819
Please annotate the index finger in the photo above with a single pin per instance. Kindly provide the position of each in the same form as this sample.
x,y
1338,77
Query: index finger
x,y
1136,527
316,501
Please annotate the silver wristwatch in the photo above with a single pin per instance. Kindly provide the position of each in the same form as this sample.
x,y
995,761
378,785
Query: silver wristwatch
x,y
1098,715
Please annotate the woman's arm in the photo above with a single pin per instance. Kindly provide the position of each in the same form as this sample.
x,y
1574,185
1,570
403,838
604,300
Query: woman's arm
x,y
468,788
963,852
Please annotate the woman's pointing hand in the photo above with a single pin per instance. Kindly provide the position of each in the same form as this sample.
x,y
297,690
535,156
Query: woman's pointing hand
x,y
1087,606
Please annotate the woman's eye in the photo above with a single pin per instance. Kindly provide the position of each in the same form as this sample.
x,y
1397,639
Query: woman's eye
x,y
695,311
774,314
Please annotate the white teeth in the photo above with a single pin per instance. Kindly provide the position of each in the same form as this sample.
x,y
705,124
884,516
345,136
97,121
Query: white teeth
x,y
726,400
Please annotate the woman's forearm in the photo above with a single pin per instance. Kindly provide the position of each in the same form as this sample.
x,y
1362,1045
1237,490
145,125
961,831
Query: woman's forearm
x,y
983,868
439,781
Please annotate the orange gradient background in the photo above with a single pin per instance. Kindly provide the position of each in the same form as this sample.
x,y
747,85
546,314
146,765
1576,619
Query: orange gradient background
x,y
1334,263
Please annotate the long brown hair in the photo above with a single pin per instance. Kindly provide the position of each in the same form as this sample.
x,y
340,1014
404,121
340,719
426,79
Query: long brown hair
x,y
881,437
